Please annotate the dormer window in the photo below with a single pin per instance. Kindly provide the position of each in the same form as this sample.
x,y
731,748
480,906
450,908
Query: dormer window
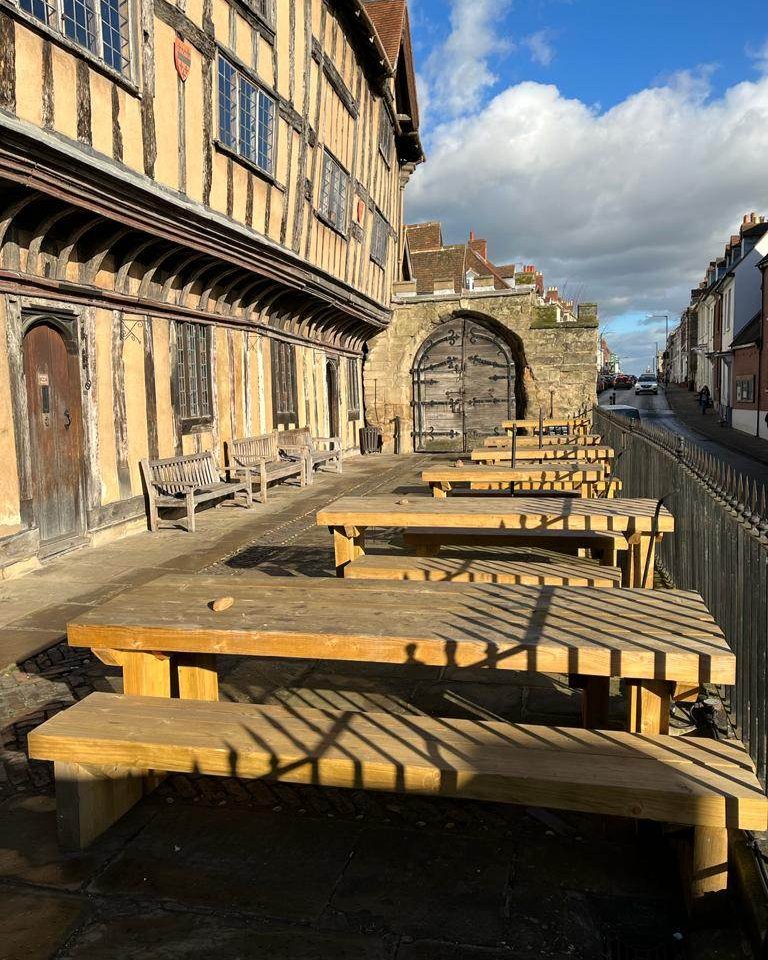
x,y
470,278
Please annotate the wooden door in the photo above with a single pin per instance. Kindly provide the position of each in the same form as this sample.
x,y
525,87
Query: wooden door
x,y
463,386
332,385
53,403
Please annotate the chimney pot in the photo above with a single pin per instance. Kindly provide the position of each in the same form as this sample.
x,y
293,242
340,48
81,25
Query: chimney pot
x,y
471,235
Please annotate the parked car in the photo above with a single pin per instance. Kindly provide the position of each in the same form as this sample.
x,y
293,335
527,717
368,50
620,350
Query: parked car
x,y
647,383
623,381
631,413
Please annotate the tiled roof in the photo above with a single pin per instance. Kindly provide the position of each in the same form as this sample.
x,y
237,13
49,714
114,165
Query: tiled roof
x,y
750,333
424,236
388,17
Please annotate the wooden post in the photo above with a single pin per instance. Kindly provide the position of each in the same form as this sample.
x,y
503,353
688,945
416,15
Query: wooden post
x,y
146,674
89,799
594,703
197,676
710,865
440,490
648,703
348,544
645,553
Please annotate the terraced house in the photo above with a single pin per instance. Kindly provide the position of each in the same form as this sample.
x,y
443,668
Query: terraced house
x,y
200,225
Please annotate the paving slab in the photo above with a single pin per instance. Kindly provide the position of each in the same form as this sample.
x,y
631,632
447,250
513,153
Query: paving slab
x,y
190,936
33,924
261,864
417,883
30,851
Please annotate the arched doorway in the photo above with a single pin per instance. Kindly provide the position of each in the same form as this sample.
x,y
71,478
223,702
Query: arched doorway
x,y
464,380
52,380
332,392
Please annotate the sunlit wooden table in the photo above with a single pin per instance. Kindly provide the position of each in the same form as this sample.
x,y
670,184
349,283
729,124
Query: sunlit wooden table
x,y
572,451
639,522
166,637
567,476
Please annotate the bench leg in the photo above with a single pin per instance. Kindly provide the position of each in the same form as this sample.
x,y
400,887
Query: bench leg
x,y
89,799
440,490
648,703
426,549
191,512
154,518
710,865
196,676
594,703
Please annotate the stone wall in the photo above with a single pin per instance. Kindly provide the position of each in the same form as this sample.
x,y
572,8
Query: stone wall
x,y
558,359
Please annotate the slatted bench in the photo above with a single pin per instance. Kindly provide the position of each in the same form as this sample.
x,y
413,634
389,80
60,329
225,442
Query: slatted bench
x,y
186,482
556,571
104,747
317,450
604,545
259,458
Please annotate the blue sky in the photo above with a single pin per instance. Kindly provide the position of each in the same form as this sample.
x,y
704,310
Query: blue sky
x,y
615,144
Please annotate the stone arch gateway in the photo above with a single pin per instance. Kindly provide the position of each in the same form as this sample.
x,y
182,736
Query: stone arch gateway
x,y
465,382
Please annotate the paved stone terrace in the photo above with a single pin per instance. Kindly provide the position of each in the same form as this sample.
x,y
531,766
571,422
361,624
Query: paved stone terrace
x,y
209,867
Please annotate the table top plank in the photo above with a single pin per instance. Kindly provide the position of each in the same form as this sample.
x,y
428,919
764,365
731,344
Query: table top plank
x,y
576,471
553,440
569,451
532,423
497,513
639,634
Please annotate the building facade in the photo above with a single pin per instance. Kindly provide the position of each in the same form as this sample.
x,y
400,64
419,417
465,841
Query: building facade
x,y
472,344
200,224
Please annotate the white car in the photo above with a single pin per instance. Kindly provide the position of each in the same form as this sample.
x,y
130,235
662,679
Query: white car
x,y
647,384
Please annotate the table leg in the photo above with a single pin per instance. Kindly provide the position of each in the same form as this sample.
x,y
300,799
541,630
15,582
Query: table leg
x,y
440,490
594,703
146,674
348,545
645,552
648,703
710,865
196,676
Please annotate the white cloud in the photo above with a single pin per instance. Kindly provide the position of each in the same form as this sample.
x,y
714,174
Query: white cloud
x,y
760,56
458,70
628,205
540,47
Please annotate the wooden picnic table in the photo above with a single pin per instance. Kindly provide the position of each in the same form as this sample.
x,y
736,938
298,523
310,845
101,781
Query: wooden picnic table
x,y
566,476
166,637
572,451
637,520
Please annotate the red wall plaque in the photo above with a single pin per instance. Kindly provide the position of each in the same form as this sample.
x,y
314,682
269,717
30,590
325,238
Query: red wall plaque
x,y
182,57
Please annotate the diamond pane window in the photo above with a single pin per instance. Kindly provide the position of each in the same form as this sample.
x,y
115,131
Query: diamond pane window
x,y
246,117
379,239
100,26
333,197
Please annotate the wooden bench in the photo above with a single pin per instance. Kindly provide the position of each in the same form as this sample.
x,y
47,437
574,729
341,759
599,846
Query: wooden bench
x,y
105,746
185,482
260,459
571,451
317,450
605,546
555,571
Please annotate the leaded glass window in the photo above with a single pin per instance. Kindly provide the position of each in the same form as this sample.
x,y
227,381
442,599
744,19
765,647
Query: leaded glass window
x,y
246,117
333,197
193,371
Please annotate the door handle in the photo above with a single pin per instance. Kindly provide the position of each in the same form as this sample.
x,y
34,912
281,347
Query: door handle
x,y
67,420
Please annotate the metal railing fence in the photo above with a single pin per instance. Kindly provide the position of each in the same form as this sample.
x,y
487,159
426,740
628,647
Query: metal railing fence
x,y
719,549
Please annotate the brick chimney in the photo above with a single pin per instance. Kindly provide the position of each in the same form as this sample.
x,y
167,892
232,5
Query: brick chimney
x,y
479,246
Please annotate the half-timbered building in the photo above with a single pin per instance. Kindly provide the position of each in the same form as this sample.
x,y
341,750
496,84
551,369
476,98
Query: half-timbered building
x,y
200,225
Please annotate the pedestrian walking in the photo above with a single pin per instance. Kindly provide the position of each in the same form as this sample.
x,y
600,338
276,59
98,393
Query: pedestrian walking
x,y
704,398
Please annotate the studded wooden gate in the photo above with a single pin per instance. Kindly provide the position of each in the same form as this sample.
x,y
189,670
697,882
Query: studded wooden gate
x,y
463,386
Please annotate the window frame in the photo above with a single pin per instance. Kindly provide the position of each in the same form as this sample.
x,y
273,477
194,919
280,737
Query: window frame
x,y
193,380
380,239
353,389
324,209
386,136
54,20
285,394
231,135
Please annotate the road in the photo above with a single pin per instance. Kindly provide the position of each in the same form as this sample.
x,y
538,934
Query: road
x,y
655,411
